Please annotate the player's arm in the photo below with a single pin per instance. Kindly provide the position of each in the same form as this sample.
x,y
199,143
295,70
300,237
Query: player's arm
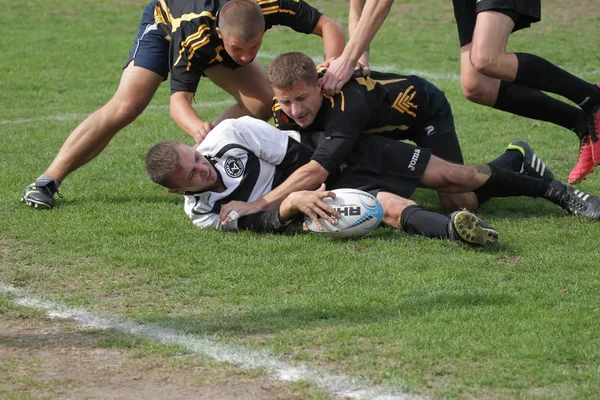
x,y
307,177
307,202
333,37
187,118
365,19
302,17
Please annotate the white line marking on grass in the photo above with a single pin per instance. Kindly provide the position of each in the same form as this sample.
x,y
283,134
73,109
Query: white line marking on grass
x,y
335,384
71,117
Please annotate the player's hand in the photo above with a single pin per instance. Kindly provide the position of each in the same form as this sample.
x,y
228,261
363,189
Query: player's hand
x,y
203,131
311,204
237,209
338,73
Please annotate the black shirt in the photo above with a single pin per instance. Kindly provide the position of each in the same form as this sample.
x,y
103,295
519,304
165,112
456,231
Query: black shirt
x,y
383,104
190,25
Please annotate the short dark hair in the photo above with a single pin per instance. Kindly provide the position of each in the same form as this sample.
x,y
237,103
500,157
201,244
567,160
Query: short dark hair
x,y
241,19
288,69
160,162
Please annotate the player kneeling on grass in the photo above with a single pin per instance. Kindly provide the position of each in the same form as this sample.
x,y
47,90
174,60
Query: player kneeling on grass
x,y
244,159
388,163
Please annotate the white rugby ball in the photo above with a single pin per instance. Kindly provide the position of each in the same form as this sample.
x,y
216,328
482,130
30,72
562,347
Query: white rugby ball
x,y
360,213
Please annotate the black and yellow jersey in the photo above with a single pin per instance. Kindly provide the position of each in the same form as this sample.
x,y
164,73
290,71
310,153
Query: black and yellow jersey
x,y
190,26
383,103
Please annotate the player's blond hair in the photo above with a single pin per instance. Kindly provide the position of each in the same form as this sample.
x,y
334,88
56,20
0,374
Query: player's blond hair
x,y
288,69
241,19
160,162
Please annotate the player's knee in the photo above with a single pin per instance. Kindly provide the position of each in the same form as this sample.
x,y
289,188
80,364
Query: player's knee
x,y
260,110
124,112
485,63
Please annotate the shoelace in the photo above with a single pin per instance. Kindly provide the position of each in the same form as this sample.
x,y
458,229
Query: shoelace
x,y
574,201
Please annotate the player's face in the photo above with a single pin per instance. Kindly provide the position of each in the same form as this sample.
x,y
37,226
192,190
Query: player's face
x,y
242,52
301,102
194,173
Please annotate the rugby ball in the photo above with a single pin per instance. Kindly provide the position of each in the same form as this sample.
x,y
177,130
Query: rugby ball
x,y
360,213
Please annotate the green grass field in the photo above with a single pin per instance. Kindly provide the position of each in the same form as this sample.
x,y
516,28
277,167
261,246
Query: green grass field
x,y
517,320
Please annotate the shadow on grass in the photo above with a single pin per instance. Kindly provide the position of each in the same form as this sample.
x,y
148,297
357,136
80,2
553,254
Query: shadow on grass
x,y
332,315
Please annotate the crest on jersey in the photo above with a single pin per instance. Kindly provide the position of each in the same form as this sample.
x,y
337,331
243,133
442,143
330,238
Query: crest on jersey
x,y
234,167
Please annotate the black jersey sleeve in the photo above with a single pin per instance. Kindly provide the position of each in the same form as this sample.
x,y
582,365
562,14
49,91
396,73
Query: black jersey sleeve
x,y
265,221
345,117
296,14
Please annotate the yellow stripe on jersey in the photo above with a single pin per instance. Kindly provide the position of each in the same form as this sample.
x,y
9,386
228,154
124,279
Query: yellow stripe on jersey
x,y
387,129
267,10
403,102
176,22
370,83
342,106
194,42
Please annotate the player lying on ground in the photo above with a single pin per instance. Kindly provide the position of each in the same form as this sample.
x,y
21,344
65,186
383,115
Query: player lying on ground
x,y
244,159
298,91
385,104
188,39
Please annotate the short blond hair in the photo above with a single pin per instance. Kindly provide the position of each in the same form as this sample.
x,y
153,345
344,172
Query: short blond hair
x,y
160,162
288,69
242,20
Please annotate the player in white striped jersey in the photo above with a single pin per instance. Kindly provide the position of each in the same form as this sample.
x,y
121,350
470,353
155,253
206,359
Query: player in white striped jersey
x,y
246,158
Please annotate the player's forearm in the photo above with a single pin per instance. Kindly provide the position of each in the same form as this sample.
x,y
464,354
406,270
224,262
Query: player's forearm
x,y
333,36
365,19
184,114
307,177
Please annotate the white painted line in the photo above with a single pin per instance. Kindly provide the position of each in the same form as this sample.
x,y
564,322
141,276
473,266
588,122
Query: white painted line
x,y
336,384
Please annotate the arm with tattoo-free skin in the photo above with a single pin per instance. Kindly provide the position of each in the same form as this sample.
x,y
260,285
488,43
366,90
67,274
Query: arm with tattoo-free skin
x,y
307,177
187,118
371,15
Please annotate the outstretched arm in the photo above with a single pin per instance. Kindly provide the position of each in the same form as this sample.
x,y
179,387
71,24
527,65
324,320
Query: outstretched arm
x,y
365,19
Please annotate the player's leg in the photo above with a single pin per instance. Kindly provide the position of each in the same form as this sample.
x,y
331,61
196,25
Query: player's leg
x,y
485,49
489,57
488,180
437,132
135,91
405,214
248,85
146,68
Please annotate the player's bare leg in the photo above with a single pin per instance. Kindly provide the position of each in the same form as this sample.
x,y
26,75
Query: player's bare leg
x,y
248,85
136,89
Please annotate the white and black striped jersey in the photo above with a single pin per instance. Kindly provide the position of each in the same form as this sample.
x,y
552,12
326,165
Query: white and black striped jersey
x,y
251,157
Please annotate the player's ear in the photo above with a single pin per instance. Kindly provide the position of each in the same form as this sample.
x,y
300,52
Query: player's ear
x,y
176,191
219,33
320,83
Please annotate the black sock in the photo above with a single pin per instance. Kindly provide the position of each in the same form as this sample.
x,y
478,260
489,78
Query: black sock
x,y
511,160
537,73
416,220
505,183
532,103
